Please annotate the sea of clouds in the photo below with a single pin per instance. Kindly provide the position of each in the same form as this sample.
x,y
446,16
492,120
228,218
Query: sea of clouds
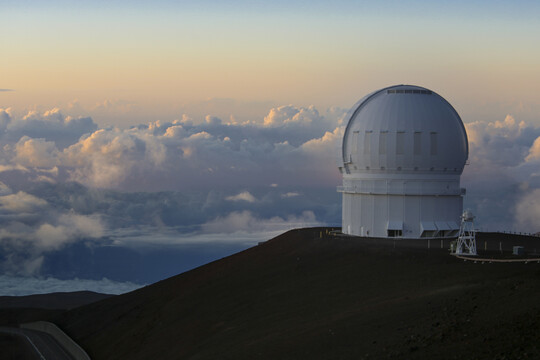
x,y
80,201
141,203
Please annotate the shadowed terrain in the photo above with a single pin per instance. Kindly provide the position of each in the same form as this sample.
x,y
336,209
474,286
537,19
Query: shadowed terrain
x,y
300,296
15,348
20,309
59,300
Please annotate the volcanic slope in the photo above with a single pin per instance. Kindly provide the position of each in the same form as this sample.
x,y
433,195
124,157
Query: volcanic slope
x,y
21,309
303,296
59,300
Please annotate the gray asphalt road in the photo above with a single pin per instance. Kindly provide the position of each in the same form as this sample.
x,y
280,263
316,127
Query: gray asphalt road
x,y
44,345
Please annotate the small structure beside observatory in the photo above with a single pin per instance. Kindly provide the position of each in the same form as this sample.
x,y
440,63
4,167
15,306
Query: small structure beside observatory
x,y
403,152
466,241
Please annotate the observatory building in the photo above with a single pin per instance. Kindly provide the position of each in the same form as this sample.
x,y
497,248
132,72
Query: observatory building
x,y
403,153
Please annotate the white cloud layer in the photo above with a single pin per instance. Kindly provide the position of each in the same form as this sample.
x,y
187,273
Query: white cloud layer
x,y
51,125
244,221
502,179
31,226
64,181
289,144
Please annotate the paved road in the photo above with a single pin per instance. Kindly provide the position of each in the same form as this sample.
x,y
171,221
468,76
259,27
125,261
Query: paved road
x,y
44,345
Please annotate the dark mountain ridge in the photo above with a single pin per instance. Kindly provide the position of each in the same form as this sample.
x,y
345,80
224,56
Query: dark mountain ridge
x,y
305,294
58,300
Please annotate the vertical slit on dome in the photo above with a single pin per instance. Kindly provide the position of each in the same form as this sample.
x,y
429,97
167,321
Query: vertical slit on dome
x,y
382,143
367,143
417,143
433,143
400,143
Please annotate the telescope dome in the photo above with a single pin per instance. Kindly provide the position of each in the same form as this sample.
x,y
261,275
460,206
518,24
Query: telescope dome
x,y
404,149
407,129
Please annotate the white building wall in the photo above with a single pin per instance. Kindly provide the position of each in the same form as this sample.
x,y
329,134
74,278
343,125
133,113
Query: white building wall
x,y
370,215
424,206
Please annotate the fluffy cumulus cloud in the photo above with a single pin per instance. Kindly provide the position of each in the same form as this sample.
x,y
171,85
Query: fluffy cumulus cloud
x,y
31,226
286,147
68,186
65,230
68,226
51,125
37,153
5,118
502,179
64,181
290,115
19,203
534,151
499,143
108,158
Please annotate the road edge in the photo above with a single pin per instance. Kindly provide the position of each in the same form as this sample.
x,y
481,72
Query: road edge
x,y
61,337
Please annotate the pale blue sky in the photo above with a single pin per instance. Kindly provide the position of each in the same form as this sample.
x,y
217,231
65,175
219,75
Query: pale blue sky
x,y
164,55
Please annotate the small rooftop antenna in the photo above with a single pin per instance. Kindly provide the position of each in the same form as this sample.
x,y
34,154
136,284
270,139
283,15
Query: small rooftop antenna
x,y
466,242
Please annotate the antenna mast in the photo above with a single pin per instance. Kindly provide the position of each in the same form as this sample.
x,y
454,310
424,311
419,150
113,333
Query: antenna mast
x,y
466,242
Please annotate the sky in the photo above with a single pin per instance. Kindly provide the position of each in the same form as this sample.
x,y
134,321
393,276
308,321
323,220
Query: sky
x,y
140,139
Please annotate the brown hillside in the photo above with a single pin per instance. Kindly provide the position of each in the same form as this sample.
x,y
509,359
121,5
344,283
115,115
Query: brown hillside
x,y
299,296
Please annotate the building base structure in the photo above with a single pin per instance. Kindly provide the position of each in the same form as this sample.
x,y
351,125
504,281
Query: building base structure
x,y
402,208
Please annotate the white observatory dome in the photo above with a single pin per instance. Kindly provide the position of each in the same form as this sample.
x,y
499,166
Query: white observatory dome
x,y
404,128
404,149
